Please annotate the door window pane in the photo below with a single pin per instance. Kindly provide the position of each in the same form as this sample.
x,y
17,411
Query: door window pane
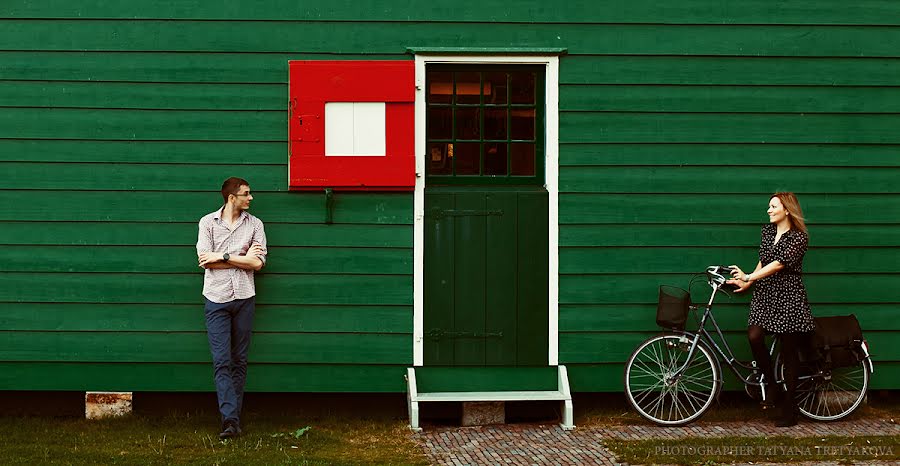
x,y
468,125
522,123
522,85
495,158
468,88
522,160
440,87
467,158
440,121
439,162
495,88
495,123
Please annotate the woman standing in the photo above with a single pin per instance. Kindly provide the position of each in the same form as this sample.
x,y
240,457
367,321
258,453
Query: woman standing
x,y
779,303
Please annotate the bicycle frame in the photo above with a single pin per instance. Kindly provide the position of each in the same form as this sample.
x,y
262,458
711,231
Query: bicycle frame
x,y
730,360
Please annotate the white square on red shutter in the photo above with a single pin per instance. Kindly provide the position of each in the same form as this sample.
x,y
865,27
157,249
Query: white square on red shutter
x,y
355,128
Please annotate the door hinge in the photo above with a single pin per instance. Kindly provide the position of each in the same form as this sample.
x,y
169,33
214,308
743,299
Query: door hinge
x,y
441,213
437,333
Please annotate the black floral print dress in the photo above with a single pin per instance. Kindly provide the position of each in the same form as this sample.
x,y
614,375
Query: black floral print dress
x,y
779,303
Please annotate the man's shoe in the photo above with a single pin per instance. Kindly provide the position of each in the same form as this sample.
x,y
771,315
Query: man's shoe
x,y
231,430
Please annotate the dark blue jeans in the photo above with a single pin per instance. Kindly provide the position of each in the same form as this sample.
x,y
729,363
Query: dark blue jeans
x,y
228,326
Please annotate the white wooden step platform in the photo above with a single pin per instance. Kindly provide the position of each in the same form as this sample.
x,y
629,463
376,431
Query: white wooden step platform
x,y
562,393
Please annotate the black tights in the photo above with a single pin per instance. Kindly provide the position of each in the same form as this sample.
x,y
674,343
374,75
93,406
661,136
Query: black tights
x,y
790,344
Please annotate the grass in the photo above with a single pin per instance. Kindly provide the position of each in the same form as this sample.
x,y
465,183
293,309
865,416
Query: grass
x,y
612,411
192,439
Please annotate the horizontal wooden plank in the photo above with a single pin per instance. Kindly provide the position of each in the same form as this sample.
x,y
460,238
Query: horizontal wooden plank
x,y
604,11
186,67
717,208
293,348
233,153
161,96
288,377
190,318
790,71
645,259
592,348
183,259
686,179
718,154
608,377
128,206
384,38
198,377
718,235
163,67
728,127
186,288
137,176
73,233
765,99
153,125
472,379
643,288
730,315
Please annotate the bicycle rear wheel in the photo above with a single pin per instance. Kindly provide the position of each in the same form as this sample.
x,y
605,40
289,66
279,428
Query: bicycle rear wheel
x,y
829,394
658,397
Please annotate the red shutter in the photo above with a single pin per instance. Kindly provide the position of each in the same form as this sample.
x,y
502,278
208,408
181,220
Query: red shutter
x,y
312,84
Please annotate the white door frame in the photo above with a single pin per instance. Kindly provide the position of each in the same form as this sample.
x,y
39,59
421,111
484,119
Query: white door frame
x,y
551,138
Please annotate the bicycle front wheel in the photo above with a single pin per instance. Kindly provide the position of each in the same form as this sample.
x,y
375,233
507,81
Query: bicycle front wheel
x,y
829,394
659,396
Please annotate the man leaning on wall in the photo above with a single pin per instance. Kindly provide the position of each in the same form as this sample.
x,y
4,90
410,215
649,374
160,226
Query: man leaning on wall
x,y
231,246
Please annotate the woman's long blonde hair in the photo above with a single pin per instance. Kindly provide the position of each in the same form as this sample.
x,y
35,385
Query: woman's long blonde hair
x,y
792,206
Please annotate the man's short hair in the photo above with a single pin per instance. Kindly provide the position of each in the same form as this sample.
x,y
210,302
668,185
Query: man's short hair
x,y
232,186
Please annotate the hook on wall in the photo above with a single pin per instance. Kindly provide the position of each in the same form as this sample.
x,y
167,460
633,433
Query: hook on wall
x,y
329,206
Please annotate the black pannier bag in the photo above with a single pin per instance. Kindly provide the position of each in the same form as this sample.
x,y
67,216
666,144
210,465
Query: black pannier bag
x,y
838,340
672,308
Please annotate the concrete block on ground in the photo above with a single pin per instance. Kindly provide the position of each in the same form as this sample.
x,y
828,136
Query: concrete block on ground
x,y
98,405
483,413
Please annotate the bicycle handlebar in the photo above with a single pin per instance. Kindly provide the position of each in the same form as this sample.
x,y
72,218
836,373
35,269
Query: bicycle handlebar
x,y
717,275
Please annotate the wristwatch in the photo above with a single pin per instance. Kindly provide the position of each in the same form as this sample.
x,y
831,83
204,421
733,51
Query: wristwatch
x,y
746,276
226,256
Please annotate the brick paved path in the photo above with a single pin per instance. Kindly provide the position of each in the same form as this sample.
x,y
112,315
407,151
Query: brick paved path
x,y
532,444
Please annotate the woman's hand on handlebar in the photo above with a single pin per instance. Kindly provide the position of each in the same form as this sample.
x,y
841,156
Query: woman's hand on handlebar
x,y
740,285
736,271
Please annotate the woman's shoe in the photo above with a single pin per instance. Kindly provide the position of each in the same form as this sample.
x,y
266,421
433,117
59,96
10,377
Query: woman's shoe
x,y
788,415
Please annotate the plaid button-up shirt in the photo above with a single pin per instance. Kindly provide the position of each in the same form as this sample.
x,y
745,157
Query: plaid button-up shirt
x,y
224,285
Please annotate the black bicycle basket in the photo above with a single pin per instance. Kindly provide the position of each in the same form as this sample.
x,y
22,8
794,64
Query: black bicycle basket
x,y
673,307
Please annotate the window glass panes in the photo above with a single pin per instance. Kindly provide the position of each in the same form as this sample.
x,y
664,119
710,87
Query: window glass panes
x,y
484,124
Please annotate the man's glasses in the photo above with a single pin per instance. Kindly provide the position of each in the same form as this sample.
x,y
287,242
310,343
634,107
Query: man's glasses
x,y
244,194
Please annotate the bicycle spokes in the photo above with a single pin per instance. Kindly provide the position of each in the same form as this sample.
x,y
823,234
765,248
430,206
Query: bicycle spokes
x,y
656,388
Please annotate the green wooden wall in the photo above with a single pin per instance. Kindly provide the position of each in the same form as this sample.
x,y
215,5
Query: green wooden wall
x,y
118,121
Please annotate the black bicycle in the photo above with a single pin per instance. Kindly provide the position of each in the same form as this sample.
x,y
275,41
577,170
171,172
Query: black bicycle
x,y
673,378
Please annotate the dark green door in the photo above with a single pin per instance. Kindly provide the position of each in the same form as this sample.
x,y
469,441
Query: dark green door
x,y
486,276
